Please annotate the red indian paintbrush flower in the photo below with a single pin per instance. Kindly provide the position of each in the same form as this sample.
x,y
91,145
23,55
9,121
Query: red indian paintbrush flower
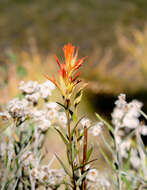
x,y
68,70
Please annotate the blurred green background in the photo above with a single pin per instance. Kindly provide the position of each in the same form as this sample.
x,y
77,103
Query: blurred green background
x,y
112,33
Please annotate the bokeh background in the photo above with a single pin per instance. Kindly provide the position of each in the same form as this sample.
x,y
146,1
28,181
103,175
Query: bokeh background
x,y
112,33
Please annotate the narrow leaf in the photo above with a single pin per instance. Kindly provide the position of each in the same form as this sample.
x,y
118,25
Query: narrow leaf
x,y
62,137
79,95
89,152
74,128
63,165
106,158
105,122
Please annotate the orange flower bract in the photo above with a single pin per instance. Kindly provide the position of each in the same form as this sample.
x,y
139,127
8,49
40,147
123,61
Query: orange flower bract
x,y
68,70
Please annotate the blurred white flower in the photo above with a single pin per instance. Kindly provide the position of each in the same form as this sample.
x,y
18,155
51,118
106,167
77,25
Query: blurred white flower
x,y
55,177
62,119
143,130
92,175
130,122
134,159
124,148
97,128
28,158
46,89
51,177
85,122
29,87
33,97
52,106
121,102
17,108
126,114
52,114
44,124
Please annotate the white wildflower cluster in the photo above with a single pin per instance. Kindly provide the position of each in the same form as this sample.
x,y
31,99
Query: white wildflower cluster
x,y
125,118
33,91
86,122
28,159
126,114
51,177
18,109
96,130
96,181
46,89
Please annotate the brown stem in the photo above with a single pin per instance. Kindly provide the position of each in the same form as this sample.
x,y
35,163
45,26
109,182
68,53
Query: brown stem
x,y
78,142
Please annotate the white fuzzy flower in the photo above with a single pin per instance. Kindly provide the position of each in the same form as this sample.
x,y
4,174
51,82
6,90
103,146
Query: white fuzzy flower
x,y
46,89
121,102
130,122
17,108
55,177
52,106
92,175
124,148
85,122
62,119
52,114
28,158
143,130
52,177
44,124
134,159
97,129
117,113
33,97
29,87
49,85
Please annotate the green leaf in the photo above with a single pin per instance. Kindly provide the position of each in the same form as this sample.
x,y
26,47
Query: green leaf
x,y
74,117
89,152
78,98
107,145
79,95
82,165
64,167
142,113
65,140
106,123
6,159
74,151
74,128
109,162
127,163
22,72
128,184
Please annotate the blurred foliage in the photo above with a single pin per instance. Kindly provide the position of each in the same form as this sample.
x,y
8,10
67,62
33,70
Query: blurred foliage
x,y
31,30
55,22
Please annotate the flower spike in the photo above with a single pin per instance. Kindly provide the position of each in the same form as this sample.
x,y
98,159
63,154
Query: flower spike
x,y
68,70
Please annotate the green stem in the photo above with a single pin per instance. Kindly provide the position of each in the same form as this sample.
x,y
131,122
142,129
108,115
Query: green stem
x,y
70,143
